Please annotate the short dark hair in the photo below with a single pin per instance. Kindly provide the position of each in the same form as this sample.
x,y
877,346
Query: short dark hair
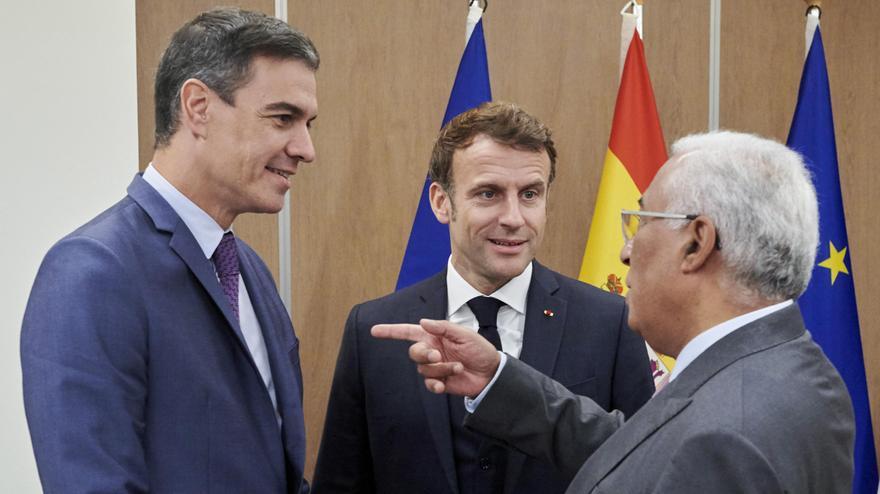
x,y
218,48
505,123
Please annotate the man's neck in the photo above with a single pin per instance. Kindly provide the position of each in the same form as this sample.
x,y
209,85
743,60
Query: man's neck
x,y
182,173
710,311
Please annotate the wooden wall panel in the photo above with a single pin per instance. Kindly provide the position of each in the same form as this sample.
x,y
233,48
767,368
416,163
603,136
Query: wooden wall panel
x,y
762,50
677,50
156,21
384,81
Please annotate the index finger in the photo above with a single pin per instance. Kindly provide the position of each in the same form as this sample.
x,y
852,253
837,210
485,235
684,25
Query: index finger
x,y
406,332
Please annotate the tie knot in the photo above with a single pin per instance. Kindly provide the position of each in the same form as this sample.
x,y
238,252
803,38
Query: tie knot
x,y
485,309
225,258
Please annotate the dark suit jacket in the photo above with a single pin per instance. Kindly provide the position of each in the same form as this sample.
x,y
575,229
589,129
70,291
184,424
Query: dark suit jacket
x,y
136,377
762,410
386,433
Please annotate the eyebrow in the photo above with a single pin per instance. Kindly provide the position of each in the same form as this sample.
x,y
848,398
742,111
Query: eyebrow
x,y
538,184
284,106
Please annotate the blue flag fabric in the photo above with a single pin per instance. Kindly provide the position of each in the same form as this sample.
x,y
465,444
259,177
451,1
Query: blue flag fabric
x,y
829,304
428,248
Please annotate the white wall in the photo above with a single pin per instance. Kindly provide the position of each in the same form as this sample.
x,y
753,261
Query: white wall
x,y
68,148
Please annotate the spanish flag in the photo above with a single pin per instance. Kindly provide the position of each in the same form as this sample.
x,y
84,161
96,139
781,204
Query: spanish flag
x,y
635,152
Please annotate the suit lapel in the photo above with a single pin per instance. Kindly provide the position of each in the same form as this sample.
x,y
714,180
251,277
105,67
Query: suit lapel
x,y
278,334
433,301
541,339
185,246
658,411
775,329
545,322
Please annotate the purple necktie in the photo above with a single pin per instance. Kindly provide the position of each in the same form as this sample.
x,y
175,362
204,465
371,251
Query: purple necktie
x,y
225,260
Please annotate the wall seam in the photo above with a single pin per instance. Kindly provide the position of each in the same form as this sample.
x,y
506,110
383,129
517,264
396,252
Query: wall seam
x,y
284,244
714,63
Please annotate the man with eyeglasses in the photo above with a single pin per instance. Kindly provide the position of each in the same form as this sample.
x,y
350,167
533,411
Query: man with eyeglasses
x,y
753,405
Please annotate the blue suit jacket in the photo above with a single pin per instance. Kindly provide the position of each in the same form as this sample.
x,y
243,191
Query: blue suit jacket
x,y
385,433
136,376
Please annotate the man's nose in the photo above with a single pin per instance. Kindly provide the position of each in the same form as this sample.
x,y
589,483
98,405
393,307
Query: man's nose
x,y
512,216
625,252
300,146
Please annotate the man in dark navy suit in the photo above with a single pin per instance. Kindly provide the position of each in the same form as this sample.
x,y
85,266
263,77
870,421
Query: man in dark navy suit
x,y
156,352
491,169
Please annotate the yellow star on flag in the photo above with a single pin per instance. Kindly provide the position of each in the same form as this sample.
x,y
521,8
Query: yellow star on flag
x,y
835,263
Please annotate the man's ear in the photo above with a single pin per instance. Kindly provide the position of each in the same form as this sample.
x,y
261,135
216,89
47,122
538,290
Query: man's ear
x,y
194,99
441,203
701,244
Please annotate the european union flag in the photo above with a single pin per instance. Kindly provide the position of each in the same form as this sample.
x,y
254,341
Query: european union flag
x,y
428,248
829,304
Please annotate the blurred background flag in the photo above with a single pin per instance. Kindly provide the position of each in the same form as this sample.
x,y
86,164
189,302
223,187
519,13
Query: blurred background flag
x,y
636,150
428,248
829,304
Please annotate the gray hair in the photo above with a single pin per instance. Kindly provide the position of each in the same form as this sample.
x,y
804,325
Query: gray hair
x,y
217,48
760,197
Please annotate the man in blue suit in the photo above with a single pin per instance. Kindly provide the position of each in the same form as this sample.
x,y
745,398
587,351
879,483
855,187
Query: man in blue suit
x,y
156,353
491,170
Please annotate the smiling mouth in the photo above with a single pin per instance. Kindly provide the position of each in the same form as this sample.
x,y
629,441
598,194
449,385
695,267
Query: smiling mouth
x,y
507,243
282,173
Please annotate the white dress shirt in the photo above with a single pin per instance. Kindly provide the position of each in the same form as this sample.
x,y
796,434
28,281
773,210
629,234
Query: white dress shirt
x,y
704,340
208,235
511,320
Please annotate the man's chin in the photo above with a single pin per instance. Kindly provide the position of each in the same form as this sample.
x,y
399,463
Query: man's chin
x,y
508,269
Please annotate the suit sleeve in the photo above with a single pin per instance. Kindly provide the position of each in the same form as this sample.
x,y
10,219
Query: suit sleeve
x,y
532,413
84,370
344,462
632,384
718,462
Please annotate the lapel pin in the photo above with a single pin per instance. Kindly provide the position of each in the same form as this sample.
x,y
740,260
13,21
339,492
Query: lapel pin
x,y
548,313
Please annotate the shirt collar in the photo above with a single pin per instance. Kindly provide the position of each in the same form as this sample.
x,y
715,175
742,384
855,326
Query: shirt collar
x,y
707,338
205,230
513,293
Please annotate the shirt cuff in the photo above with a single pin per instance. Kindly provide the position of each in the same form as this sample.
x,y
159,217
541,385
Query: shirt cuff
x,y
471,404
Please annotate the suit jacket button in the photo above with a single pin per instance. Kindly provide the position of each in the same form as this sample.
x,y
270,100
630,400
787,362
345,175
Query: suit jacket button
x,y
485,463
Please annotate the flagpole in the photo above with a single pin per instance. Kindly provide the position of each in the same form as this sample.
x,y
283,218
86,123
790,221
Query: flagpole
x,y
475,13
814,13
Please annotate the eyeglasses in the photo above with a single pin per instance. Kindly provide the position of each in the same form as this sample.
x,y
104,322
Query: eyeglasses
x,y
632,220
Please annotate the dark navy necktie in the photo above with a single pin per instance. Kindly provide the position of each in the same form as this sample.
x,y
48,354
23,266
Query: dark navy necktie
x,y
486,311
225,261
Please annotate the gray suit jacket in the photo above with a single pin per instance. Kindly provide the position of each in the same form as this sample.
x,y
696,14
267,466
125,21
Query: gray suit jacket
x,y
762,410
